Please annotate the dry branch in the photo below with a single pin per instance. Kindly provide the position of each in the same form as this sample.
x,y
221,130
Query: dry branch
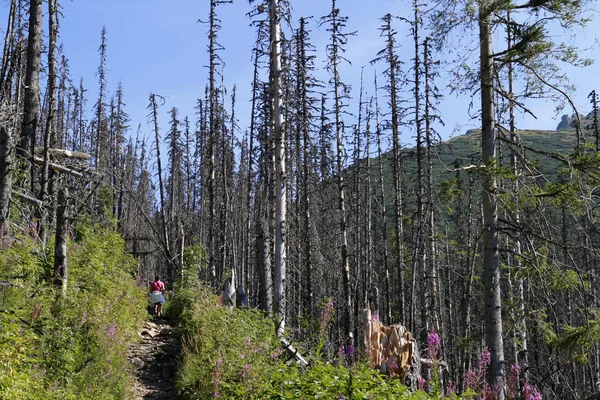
x,y
292,351
70,154
59,168
28,199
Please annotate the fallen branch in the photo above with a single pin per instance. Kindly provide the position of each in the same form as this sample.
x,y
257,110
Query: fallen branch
x,y
429,362
59,168
70,154
28,199
293,352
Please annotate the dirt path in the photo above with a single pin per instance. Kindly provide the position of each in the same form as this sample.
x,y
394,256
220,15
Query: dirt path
x,y
153,360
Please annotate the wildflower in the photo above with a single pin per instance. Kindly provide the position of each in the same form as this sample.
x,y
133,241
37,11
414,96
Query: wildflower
x,y
484,360
245,371
243,356
375,316
535,395
275,354
433,344
421,383
450,388
350,351
472,379
326,315
531,393
341,397
394,364
111,331
513,380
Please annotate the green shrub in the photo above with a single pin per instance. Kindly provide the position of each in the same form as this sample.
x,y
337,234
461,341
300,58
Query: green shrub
x,y
74,347
234,354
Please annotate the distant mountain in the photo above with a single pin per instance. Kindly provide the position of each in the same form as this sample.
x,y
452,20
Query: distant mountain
x,y
464,150
567,122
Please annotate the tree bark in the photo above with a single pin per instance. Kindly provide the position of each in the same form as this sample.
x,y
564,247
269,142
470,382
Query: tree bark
x,y
61,272
7,160
491,264
32,81
281,176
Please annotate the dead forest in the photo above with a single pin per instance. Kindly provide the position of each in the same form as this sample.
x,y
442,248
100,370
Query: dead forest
x,y
491,241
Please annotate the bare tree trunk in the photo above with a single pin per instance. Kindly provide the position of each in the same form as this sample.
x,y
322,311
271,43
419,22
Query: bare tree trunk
x,y
521,324
32,82
263,255
336,37
434,291
384,225
61,272
7,160
50,131
491,264
101,140
281,175
213,129
161,187
5,78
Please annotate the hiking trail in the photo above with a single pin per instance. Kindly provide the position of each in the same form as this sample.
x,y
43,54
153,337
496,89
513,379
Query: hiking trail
x,y
153,360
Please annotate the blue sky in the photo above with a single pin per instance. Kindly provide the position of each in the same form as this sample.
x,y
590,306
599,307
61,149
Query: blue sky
x,y
158,46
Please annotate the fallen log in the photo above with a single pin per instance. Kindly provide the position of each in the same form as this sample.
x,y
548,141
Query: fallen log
x,y
59,168
65,153
70,154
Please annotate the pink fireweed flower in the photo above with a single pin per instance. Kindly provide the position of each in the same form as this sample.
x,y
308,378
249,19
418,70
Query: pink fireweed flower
x,y
111,331
450,388
275,354
512,387
484,360
326,315
531,393
421,383
535,395
433,344
244,372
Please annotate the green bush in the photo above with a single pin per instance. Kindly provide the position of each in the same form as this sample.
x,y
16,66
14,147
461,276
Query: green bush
x,y
234,354
74,347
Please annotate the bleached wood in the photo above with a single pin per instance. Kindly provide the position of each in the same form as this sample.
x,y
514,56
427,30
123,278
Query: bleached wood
x,y
59,168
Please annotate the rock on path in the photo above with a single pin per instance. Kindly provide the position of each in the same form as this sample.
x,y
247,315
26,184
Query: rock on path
x,y
153,361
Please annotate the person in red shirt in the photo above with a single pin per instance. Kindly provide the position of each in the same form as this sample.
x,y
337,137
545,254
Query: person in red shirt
x,y
157,299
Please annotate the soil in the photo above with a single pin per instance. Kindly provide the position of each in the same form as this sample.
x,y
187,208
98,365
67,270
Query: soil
x,y
153,360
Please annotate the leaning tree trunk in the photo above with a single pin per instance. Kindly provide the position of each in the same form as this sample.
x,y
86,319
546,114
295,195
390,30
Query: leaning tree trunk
x,y
491,264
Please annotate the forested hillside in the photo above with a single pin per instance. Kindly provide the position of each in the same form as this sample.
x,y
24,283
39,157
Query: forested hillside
x,y
328,199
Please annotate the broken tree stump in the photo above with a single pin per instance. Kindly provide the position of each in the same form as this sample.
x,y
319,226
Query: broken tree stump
x,y
390,348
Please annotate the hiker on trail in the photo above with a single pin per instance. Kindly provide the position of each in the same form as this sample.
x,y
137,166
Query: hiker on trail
x,y
157,299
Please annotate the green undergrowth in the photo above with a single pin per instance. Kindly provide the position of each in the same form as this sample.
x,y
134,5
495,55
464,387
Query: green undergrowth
x,y
73,347
233,354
